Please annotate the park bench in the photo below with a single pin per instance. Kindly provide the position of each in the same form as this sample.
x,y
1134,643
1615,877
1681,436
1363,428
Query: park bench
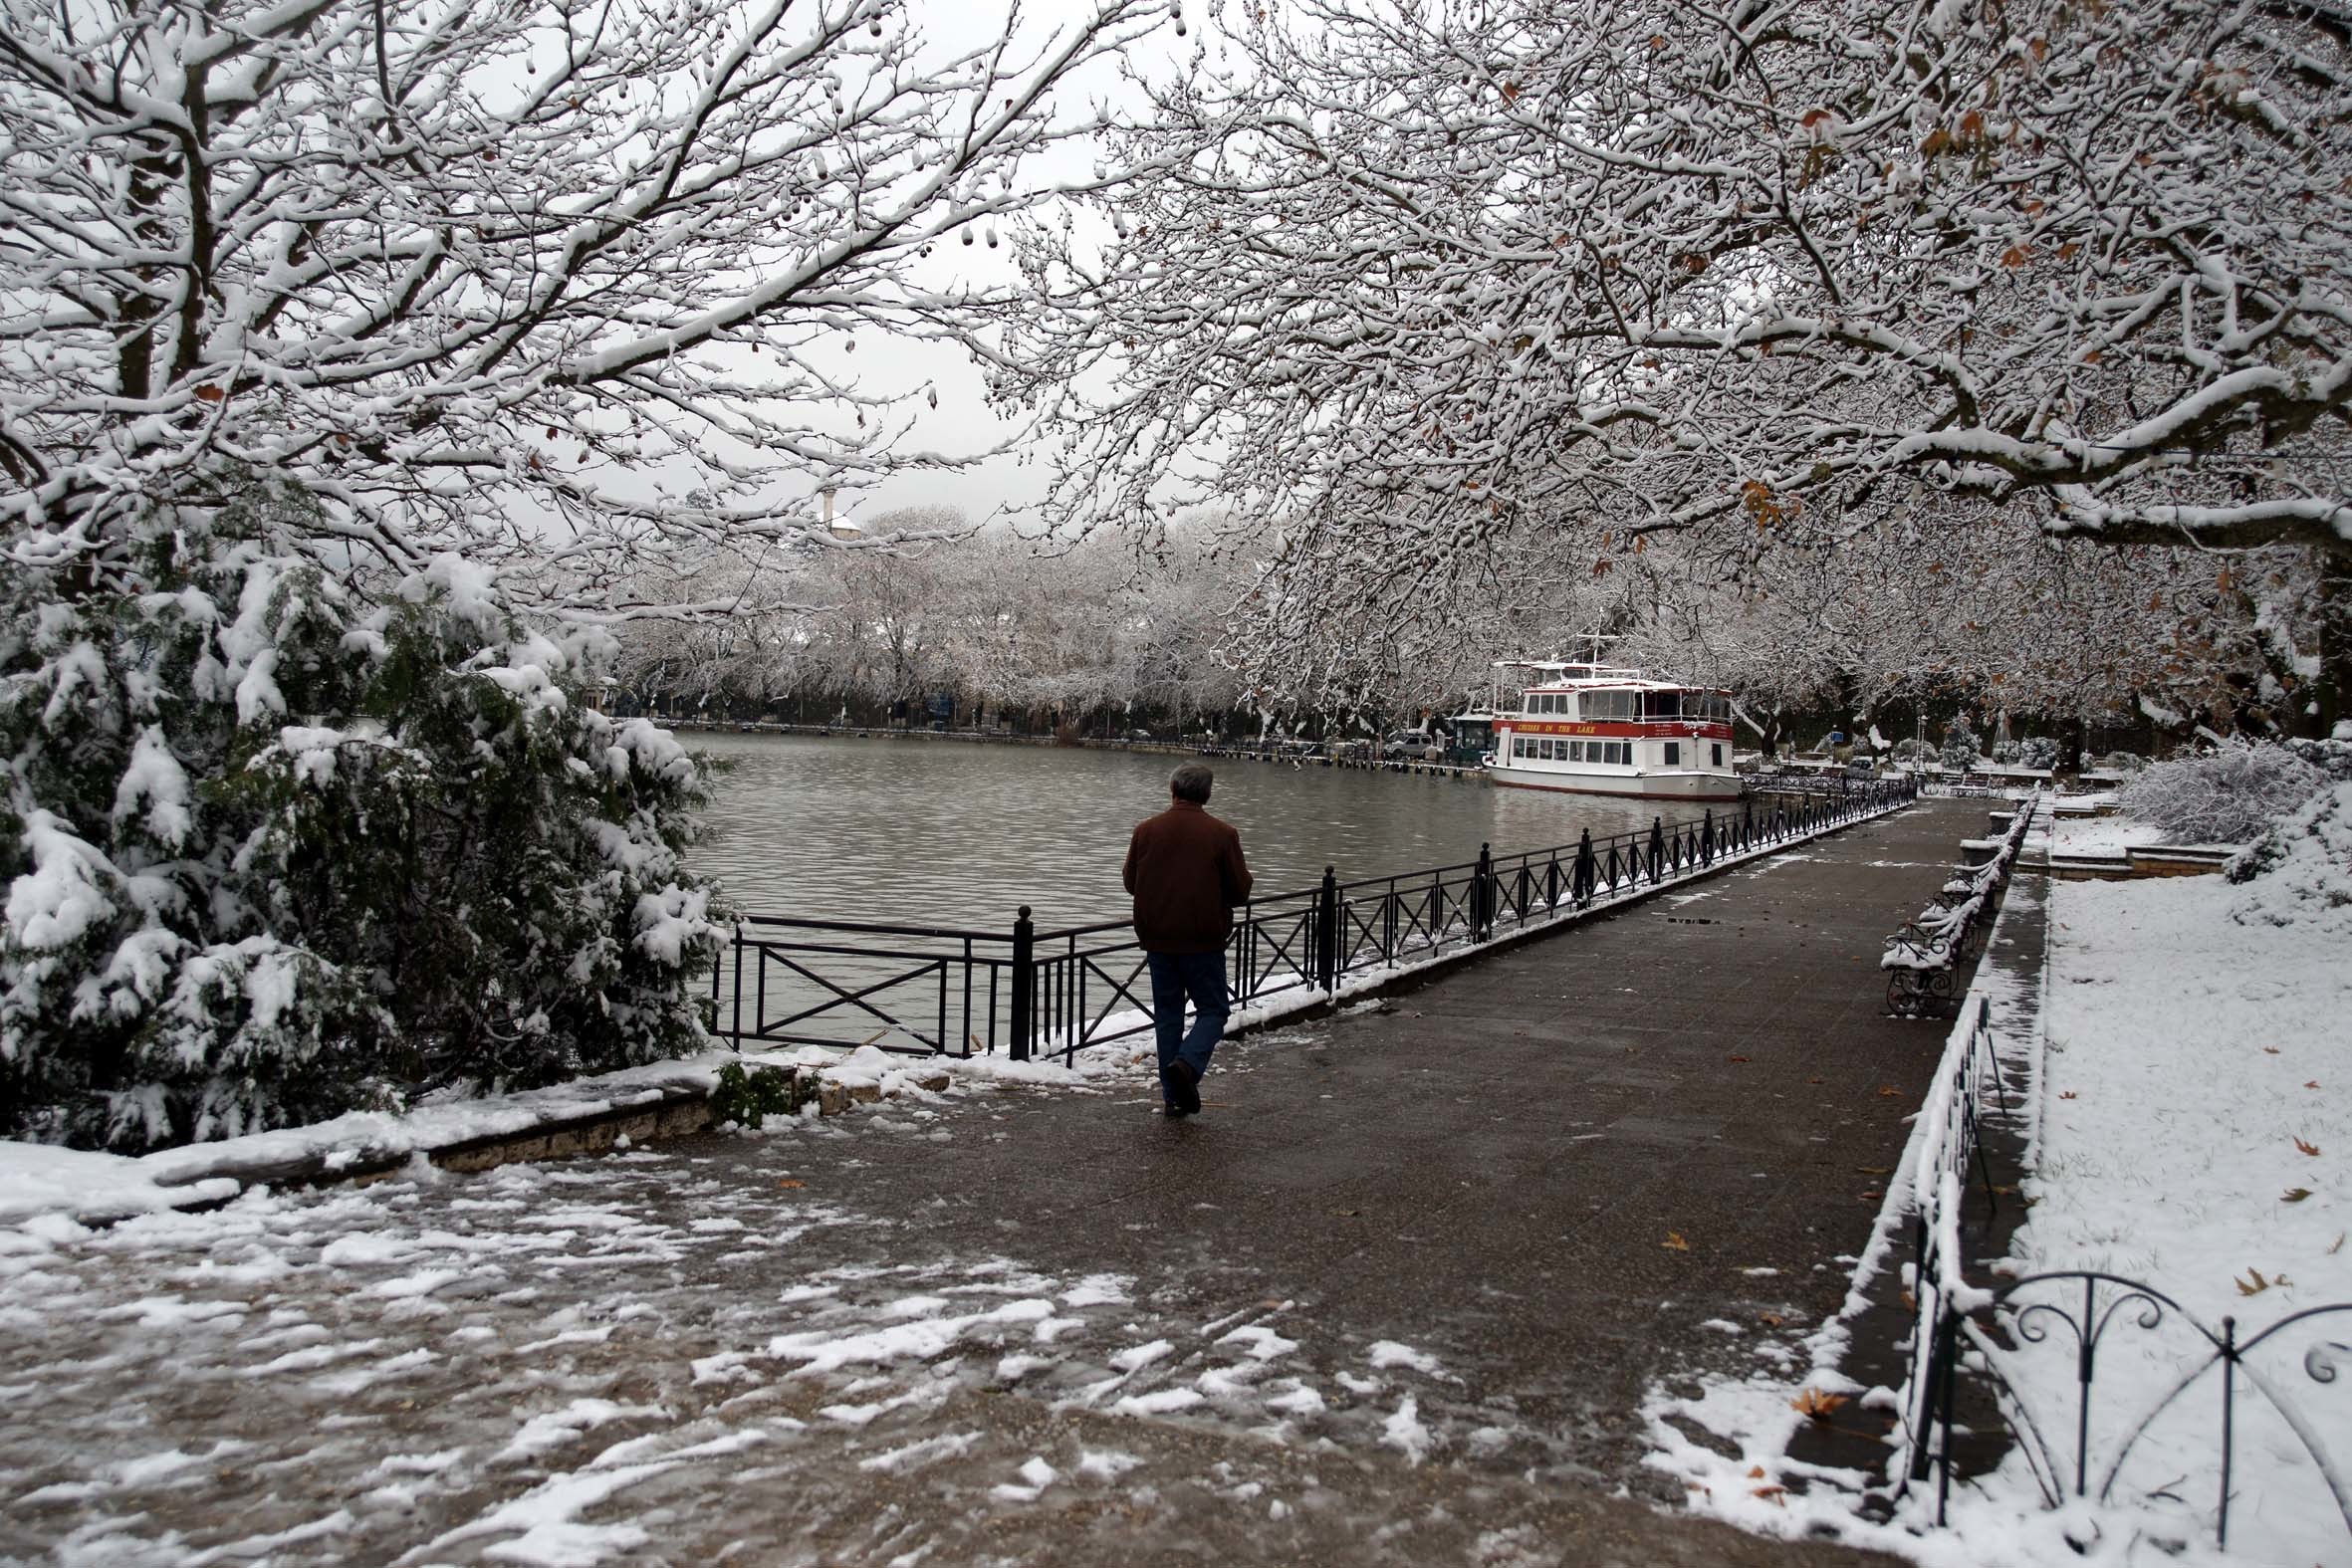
x,y
1923,960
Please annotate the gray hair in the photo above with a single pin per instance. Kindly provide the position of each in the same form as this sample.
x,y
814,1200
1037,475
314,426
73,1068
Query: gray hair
x,y
1190,782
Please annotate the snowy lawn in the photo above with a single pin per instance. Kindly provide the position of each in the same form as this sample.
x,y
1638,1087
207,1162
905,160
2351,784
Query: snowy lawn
x,y
2097,835
2196,1129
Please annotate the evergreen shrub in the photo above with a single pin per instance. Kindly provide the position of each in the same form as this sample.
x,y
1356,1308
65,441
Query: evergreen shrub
x,y
276,848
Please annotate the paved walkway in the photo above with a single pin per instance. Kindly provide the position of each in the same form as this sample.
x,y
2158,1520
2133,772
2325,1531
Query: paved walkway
x,y
1391,1299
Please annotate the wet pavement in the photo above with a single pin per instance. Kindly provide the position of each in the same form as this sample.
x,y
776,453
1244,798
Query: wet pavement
x,y
1397,1296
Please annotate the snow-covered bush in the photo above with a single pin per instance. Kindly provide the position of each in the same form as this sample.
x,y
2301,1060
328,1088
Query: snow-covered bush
x,y
2331,755
2223,796
275,850
2038,751
1961,746
2300,869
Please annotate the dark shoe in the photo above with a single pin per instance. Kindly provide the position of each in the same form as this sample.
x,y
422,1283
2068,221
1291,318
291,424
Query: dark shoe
x,y
1186,1086
1173,1111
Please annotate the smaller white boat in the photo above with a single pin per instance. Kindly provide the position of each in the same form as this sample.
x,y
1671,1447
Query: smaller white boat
x,y
1595,729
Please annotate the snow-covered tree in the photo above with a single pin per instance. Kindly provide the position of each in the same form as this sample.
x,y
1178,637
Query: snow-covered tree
x,y
280,849
311,315
1414,279
523,281
1962,747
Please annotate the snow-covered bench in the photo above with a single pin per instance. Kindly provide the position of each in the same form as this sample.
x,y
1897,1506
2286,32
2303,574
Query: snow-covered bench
x,y
1922,960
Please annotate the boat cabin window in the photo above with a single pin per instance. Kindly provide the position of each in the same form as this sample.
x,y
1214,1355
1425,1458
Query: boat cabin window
x,y
1612,705
1661,705
1719,753
1674,754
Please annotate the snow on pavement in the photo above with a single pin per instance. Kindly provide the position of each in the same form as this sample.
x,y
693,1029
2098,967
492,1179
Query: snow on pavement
x,y
557,1364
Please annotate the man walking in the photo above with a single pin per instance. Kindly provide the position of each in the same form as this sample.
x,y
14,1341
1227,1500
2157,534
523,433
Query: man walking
x,y
1186,871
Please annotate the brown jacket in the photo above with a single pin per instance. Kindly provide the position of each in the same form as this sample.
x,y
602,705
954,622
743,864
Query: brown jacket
x,y
1186,871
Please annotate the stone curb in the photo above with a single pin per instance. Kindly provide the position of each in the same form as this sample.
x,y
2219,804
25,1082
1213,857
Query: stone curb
x,y
668,1111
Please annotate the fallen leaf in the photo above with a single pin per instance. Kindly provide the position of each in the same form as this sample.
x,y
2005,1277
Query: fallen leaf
x,y
1768,1493
1875,1170
1735,1059
2307,1148
2313,1085
792,1182
1813,1080
2337,1246
2255,1289
1887,1091
1771,1319
1816,1404
2269,1050
2066,1094
210,394
2295,1195
1756,1473
1674,1242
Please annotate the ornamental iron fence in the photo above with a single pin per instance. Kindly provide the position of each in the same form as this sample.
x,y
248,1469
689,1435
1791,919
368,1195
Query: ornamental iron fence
x,y
934,989
1988,1340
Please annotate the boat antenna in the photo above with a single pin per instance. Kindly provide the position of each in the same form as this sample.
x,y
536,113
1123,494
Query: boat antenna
x,y
1596,637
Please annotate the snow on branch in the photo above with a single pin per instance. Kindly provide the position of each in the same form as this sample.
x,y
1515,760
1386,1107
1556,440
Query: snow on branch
x,y
1405,282
483,277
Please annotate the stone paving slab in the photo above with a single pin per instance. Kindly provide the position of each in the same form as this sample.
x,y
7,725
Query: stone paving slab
x,y
1396,1297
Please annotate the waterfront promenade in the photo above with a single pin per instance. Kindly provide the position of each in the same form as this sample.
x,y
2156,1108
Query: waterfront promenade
x,y
1396,1297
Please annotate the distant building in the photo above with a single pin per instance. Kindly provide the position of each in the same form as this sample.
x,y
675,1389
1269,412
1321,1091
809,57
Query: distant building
x,y
843,526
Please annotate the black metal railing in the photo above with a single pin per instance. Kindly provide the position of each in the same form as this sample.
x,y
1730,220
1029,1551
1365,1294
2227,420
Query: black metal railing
x,y
1987,1339
931,990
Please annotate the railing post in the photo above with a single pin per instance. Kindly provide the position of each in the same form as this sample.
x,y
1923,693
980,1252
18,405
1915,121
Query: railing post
x,y
738,1031
1581,884
1482,895
1657,846
1025,984
2228,1423
1948,1342
1326,932
1707,839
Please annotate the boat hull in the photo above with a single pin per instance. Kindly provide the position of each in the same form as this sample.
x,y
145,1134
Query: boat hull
x,y
1638,787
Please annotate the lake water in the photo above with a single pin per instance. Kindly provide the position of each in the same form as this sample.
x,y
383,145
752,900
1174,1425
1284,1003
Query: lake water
x,y
931,832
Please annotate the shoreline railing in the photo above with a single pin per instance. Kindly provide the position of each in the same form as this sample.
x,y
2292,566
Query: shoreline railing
x,y
934,989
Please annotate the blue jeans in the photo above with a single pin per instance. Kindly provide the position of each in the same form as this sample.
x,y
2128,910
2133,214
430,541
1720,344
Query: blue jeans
x,y
1174,978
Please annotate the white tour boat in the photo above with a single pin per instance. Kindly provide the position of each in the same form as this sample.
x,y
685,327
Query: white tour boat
x,y
1593,729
